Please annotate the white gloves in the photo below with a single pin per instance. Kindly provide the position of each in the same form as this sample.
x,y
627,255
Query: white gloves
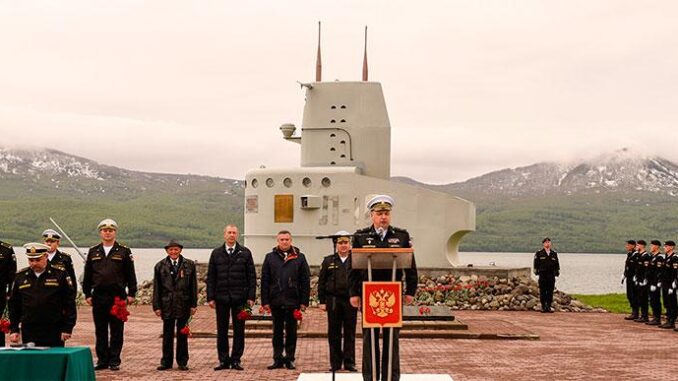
x,y
653,288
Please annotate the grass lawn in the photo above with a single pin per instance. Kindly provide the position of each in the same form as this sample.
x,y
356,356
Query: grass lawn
x,y
616,303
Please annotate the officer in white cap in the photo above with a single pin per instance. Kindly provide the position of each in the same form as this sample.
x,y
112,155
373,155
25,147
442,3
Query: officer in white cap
x,y
42,305
382,235
334,298
7,274
57,258
109,273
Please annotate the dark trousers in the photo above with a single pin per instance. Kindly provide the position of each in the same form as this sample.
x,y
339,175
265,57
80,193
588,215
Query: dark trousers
x,y
226,311
642,293
656,303
284,321
43,335
546,285
670,303
107,349
170,329
3,302
382,362
631,296
341,315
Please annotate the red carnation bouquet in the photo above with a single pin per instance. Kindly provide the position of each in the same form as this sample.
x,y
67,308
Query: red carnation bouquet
x,y
245,312
297,315
264,311
424,310
4,323
119,309
186,331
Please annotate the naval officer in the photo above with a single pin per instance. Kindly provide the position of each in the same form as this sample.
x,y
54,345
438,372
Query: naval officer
x,y
547,268
382,235
109,273
42,305
334,299
58,259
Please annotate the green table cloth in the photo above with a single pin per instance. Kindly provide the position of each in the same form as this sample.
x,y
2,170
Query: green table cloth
x,y
70,363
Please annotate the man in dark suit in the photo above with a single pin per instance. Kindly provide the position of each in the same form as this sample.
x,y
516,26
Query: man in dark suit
x,y
381,234
175,300
231,284
285,287
547,268
334,298
58,259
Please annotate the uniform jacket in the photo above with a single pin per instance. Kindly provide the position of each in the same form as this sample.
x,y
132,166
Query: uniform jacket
x,y
109,275
630,264
175,292
395,238
48,300
655,270
670,271
231,278
7,268
643,269
546,264
333,280
285,282
63,262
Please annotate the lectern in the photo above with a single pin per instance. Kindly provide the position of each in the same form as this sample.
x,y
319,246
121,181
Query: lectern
x,y
382,303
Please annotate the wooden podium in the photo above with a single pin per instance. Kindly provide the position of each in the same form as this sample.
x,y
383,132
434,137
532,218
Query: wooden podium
x,y
382,300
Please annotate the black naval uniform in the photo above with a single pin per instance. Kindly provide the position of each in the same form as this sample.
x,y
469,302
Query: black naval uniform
x,y
231,282
643,285
7,274
668,278
547,268
44,306
655,291
333,292
285,286
630,265
105,277
394,238
175,292
63,262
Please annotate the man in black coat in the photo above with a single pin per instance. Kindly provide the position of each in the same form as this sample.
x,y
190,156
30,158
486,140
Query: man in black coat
x,y
175,300
109,273
668,285
285,287
547,268
654,280
334,299
231,284
382,235
58,259
7,274
629,273
642,281
42,305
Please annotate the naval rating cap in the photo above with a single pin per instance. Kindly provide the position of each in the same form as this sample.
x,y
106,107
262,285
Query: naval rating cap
x,y
107,224
670,243
380,202
35,249
655,242
51,234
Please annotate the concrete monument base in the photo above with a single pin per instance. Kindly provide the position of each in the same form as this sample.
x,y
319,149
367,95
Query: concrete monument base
x,y
359,377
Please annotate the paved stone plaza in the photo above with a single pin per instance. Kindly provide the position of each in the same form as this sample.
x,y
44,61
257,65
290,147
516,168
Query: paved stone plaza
x,y
572,346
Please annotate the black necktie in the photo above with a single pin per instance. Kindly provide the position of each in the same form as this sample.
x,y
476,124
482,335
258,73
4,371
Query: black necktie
x,y
230,250
175,266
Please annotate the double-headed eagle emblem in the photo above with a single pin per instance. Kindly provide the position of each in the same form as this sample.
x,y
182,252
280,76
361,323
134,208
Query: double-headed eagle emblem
x,y
382,302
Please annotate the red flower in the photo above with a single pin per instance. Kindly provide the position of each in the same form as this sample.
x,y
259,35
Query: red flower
x,y
4,326
244,315
264,311
119,309
185,331
297,315
424,310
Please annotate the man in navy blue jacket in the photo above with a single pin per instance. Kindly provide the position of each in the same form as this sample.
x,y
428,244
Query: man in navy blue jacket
x,y
285,287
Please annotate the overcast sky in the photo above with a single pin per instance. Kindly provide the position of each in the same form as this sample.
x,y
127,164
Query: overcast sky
x,y
471,86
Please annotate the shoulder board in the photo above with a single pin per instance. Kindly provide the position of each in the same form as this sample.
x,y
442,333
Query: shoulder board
x,y
364,230
65,254
23,270
400,230
7,245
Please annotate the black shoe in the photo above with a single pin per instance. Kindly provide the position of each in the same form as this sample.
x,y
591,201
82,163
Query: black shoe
x,y
163,367
236,365
101,366
115,367
654,322
183,367
350,368
221,366
276,365
631,317
290,365
668,325
642,320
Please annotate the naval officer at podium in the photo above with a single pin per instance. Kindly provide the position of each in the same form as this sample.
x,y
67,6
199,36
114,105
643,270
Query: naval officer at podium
x,y
382,235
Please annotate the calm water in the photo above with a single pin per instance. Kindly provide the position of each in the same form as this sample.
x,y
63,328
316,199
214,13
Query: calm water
x,y
580,273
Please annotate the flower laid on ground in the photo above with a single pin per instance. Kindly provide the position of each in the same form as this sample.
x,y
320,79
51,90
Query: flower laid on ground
x,y
245,313
424,310
186,331
119,309
297,315
264,311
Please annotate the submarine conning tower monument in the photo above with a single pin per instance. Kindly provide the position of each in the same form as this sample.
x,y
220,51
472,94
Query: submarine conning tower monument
x,y
345,141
